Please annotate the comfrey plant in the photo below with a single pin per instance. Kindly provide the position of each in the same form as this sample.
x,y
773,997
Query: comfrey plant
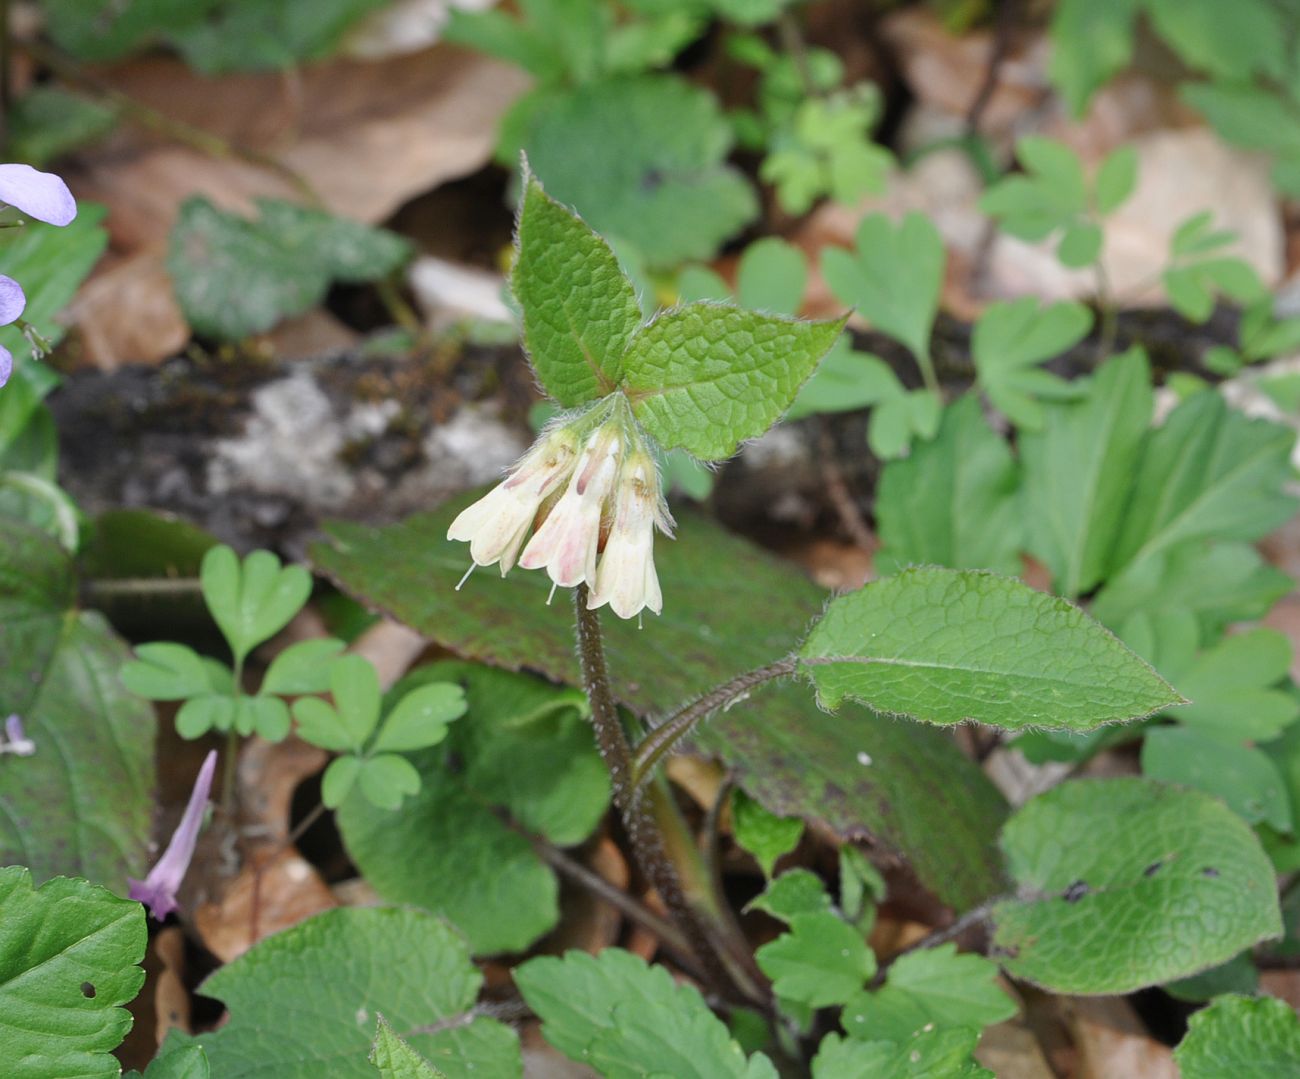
x,y
45,197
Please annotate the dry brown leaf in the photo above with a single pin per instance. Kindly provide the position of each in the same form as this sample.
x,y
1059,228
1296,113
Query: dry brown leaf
x,y
1112,1042
126,312
391,647
171,1000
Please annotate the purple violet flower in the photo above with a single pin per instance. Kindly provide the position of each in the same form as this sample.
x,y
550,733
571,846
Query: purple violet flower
x,y
16,740
41,195
158,890
12,302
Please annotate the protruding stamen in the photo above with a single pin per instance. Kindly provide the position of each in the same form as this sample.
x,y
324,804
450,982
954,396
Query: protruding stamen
x,y
554,586
472,567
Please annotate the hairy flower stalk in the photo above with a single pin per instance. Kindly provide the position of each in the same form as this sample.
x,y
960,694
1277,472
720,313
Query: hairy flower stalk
x,y
589,493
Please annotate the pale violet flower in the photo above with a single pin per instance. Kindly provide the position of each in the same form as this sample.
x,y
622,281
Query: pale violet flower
x,y
567,543
37,194
626,578
16,741
158,890
590,490
12,302
498,523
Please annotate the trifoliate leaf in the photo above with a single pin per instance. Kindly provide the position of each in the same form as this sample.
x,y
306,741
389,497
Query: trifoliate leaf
x,y
580,309
627,1020
1092,40
235,277
893,277
931,987
651,170
253,600
1127,883
1244,777
821,961
1241,1036
764,834
69,961
342,969
706,377
950,646
522,746
394,1059
952,502
83,802
1011,339
1207,472
934,1054
1078,473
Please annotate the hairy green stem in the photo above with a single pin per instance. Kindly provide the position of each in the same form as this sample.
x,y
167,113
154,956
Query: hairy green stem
x,y
663,847
660,741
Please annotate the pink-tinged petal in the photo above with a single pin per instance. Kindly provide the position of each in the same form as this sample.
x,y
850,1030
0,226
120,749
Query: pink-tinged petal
x,y
6,365
12,300
41,195
158,890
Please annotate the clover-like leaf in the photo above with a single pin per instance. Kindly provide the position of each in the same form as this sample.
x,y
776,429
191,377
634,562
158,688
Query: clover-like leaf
x,y
164,671
302,667
254,600
948,646
420,718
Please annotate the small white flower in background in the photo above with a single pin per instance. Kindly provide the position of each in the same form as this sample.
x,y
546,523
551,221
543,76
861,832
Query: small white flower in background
x,y
599,531
16,741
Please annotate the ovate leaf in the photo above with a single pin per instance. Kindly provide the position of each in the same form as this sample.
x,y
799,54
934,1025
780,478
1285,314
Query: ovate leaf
x,y
1126,883
69,961
627,1020
580,310
706,377
765,835
949,646
952,502
1242,1036
822,960
342,969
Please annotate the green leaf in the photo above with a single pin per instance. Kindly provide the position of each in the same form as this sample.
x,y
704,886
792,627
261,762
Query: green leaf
x,y
341,970
1115,180
893,277
764,835
523,746
69,960
301,668
1243,777
1234,42
950,646
1218,583
254,600
1092,40
48,122
626,1019
50,263
771,276
1207,472
166,672
729,607
1127,883
1248,115
1078,473
82,804
821,961
846,380
1011,339
186,1062
394,1059
933,986
796,891
387,779
339,779
267,717
1234,687
234,277
420,719
1241,1036
1080,245
652,170
580,310
199,715
706,378
952,502
934,1054
1238,975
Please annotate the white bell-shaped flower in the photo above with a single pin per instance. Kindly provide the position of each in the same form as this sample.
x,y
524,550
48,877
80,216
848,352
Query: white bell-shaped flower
x,y
626,577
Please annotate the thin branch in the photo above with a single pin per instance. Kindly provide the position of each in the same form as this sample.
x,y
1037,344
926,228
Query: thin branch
x,y
972,917
655,745
997,56
838,490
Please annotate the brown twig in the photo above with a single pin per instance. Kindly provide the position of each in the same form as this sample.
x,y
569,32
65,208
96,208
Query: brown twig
x,y
837,489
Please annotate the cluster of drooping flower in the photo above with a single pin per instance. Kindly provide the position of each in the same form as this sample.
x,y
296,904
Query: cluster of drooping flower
x,y
583,504
45,197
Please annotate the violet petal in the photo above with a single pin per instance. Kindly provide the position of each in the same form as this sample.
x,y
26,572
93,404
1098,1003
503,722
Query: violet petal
x,y
6,365
41,195
12,300
158,890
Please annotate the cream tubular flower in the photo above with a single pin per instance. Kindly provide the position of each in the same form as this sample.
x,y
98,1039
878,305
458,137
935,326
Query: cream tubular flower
x,y
569,538
498,523
626,578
